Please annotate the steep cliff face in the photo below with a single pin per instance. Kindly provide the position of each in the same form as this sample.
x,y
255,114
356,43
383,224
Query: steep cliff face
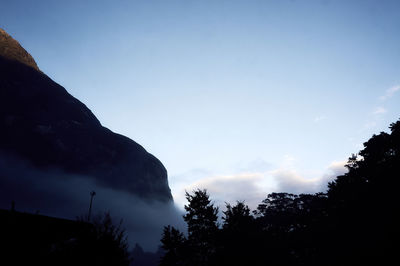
x,y
42,123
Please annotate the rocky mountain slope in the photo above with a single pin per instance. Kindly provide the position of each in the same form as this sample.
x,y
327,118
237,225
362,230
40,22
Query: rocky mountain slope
x,y
11,49
43,124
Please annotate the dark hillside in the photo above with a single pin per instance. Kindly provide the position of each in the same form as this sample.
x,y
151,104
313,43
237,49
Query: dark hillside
x,y
28,238
32,239
40,122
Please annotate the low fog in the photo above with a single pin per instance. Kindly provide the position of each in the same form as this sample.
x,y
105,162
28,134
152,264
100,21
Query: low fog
x,y
55,193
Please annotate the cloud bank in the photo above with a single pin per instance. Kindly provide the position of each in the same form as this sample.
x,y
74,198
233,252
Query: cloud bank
x,y
253,187
55,193
293,182
230,188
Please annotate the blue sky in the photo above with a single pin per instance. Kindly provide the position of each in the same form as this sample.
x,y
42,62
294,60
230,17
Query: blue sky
x,y
240,97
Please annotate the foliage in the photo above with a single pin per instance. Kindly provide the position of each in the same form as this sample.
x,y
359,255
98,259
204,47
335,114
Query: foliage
x,y
200,245
173,243
100,243
237,217
201,218
354,223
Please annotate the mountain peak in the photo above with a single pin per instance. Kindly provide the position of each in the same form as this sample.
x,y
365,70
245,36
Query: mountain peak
x,y
41,123
12,50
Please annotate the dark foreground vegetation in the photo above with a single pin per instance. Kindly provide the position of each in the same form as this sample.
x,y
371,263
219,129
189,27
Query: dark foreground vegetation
x,y
356,222
31,239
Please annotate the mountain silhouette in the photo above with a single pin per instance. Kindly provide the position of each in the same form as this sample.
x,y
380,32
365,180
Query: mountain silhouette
x,y
40,122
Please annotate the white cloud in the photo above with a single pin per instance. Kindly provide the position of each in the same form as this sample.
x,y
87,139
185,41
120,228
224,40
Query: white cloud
x,y
390,92
379,110
320,118
290,181
335,169
250,187
376,114
253,187
293,182
374,118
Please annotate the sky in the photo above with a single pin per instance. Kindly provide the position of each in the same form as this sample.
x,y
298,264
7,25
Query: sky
x,y
240,97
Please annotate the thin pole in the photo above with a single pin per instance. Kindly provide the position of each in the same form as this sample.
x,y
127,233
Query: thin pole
x,y
92,194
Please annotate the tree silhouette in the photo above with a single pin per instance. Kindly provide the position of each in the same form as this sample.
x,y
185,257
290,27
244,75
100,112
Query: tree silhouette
x,y
173,243
237,217
364,202
101,243
201,218
235,240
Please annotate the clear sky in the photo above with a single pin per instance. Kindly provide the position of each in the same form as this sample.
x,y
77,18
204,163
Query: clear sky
x,y
240,97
